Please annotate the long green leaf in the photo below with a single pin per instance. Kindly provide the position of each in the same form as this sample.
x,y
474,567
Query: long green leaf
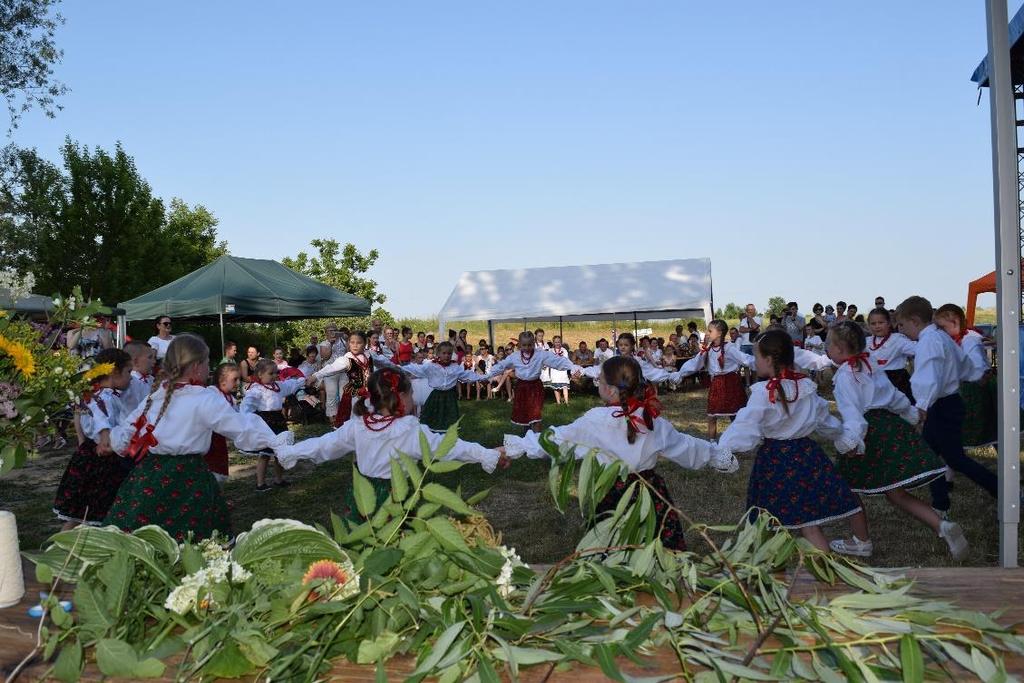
x,y
911,660
366,500
440,648
399,482
435,493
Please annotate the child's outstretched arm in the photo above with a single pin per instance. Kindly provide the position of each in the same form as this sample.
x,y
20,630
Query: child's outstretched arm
x,y
291,386
689,451
802,358
745,434
339,364
330,446
497,369
466,451
850,400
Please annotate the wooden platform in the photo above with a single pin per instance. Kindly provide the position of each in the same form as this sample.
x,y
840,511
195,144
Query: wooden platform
x,y
983,589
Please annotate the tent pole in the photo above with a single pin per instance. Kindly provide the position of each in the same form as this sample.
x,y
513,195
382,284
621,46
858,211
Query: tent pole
x,y
1007,233
635,328
560,328
221,316
121,331
490,332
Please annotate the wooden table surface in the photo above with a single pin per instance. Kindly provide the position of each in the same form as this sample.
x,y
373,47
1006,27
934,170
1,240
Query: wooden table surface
x,y
985,589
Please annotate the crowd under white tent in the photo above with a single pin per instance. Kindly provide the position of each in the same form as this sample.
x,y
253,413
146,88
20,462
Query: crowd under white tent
x,y
645,290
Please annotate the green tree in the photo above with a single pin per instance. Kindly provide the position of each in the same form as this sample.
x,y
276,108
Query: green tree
x,y
27,56
776,305
95,222
344,274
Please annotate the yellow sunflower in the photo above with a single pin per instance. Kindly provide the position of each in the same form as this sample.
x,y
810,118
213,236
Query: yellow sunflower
x,y
20,354
98,370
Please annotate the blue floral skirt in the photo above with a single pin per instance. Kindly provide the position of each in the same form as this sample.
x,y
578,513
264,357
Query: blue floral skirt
x,y
797,484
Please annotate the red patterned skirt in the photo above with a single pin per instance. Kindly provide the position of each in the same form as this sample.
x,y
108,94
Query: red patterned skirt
x,y
217,458
727,395
668,519
344,408
528,402
89,485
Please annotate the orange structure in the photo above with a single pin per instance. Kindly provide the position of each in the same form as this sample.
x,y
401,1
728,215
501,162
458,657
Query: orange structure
x,y
983,285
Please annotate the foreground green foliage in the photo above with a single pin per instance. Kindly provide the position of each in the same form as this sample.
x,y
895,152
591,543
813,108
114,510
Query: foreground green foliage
x,y
423,576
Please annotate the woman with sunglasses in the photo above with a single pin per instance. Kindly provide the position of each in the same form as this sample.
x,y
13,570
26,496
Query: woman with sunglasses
x,y
162,339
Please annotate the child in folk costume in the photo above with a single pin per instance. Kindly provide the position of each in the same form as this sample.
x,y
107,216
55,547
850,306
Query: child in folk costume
x,y
441,409
978,382
265,397
792,477
880,451
377,436
171,484
890,350
93,475
558,378
626,345
225,385
528,362
938,367
722,360
356,365
141,383
628,428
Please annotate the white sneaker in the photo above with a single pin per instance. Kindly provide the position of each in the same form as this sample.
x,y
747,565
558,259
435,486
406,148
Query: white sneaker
x,y
953,535
855,547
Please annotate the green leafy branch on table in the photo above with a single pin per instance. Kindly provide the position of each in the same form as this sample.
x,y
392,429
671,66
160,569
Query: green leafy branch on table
x,y
423,575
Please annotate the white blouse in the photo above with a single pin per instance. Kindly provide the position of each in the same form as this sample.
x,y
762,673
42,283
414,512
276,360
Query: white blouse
x,y
192,416
160,345
859,391
599,428
651,373
137,391
529,369
761,419
260,397
710,359
99,418
892,352
439,377
938,363
376,449
559,376
341,364
975,363
809,360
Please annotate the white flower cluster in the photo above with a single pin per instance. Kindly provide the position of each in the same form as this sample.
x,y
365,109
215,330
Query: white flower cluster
x,y
18,287
186,596
213,552
505,576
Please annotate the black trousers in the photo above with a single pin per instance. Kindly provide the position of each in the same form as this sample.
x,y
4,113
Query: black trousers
x,y
943,431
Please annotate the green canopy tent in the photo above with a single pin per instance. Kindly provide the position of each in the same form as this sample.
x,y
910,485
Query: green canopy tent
x,y
244,290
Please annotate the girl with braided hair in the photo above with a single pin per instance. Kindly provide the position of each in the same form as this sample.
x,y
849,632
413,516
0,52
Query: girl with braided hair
x,y
628,428
383,426
880,451
93,475
168,437
792,479
722,360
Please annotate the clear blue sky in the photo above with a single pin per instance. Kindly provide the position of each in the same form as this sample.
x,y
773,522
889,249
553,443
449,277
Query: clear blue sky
x,y
813,150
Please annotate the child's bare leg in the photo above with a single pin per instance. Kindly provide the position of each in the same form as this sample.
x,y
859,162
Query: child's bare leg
x,y
712,428
816,537
914,506
261,469
278,472
565,395
535,426
859,524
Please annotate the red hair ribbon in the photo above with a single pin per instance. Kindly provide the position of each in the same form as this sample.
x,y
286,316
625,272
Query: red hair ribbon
x,y
363,392
650,405
775,383
141,442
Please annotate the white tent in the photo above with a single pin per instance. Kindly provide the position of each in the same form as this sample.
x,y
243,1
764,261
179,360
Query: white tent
x,y
646,290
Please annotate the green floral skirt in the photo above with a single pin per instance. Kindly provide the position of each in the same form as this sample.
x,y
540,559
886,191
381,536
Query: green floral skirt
x,y
176,492
382,491
979,410
895,457
441,409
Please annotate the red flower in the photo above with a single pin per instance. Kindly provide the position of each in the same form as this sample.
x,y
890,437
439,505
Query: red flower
x,y
175,493
161,509
165,480
148,491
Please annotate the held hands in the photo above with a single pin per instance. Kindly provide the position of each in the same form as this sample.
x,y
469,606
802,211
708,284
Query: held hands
x,y
503,460
103,445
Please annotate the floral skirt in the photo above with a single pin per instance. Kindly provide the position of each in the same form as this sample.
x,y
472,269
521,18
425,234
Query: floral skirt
x,y
727,395
528,402
441,409
895,457
176,492
980,401
901,380
382,491
89,485
796,482
668,519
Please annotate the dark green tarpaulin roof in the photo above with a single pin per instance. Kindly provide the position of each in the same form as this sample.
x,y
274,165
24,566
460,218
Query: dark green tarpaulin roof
x,y
245,290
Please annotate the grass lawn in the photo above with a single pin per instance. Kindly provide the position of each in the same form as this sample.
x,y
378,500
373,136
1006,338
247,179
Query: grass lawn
x,y
519,505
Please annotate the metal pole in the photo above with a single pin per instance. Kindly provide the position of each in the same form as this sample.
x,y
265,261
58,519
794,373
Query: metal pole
x,y
221,316
490,332
1007,233
635,328
560,328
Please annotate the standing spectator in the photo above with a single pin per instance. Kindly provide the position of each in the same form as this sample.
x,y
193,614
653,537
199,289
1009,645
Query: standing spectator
x,y
840,313
559,378
793,322
405,347
879,302
230,351
851,312
247,368
376,326
749,328
421,343
162,339
830,315
819,323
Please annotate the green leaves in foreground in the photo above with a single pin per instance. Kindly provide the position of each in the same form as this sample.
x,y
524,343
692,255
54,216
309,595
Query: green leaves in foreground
x,y
427,578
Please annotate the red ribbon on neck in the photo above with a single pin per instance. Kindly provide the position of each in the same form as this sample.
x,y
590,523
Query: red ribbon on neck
x,y
855,362
707,348
875,344
650,405
775,383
